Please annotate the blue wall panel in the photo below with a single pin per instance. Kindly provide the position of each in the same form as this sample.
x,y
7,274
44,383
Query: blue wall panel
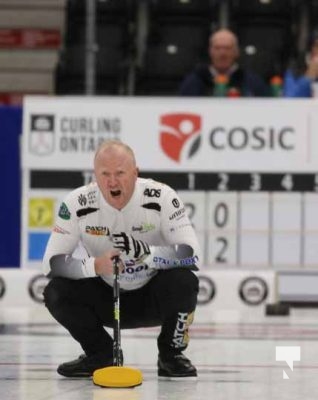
x,y
10,205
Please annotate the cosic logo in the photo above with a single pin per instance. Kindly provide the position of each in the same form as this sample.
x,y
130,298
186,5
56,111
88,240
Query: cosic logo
x,y
2,287
253,291
255,138
180,135
36,287
207,290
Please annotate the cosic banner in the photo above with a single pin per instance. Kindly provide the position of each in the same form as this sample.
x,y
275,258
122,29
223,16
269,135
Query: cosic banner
x,y
179,134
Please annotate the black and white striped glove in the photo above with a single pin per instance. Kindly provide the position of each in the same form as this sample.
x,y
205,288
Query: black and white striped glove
x,y
136,249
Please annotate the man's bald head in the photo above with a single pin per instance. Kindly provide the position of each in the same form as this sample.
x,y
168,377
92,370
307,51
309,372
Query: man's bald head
x,y
223,50
115,172
115,146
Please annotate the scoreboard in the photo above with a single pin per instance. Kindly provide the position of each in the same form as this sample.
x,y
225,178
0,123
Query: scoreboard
x,y
244,220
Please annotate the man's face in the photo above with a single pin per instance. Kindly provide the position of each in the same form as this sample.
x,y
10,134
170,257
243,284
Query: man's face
x,y
223,52
116,175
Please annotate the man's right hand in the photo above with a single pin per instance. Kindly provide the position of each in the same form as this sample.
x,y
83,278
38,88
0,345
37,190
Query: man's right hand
x,y
104,263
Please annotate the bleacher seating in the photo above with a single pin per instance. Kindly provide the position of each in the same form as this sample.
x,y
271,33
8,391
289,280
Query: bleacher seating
x,y
266,33
30,36
43,48
110,71
175,41
112,47
313,18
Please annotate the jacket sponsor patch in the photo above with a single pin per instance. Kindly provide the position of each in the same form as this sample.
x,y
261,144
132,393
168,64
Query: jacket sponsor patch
x,y
175,203
143,227
177,214
64,212
91,196
181,332
82,200
97,230
175,262
152,192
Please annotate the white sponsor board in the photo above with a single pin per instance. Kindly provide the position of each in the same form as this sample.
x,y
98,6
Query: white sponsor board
x,y
179,134
225,296
235,296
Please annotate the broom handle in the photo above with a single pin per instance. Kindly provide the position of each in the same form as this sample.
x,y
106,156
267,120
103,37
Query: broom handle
x,y
117,360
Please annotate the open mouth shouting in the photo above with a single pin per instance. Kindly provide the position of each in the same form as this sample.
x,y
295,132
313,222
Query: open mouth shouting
x,y
115,193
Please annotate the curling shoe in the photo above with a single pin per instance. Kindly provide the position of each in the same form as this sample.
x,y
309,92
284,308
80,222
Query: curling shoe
x,y
176,367
84,366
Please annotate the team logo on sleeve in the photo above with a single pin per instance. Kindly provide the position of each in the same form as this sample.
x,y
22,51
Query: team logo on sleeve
x,y
64,212
180,135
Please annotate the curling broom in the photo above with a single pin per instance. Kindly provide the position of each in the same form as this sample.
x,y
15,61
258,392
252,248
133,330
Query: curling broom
x,y
117,376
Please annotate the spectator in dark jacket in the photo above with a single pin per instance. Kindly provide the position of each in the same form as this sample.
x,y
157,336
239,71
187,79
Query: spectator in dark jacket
x,y
223,69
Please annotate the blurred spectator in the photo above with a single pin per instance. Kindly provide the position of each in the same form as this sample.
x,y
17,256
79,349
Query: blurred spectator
x,y
301,79
223,77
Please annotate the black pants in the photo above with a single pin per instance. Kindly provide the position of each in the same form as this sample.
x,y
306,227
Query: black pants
x,y
85,306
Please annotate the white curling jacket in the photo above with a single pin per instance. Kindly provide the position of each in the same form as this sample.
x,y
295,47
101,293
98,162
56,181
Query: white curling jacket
x,y
155,214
